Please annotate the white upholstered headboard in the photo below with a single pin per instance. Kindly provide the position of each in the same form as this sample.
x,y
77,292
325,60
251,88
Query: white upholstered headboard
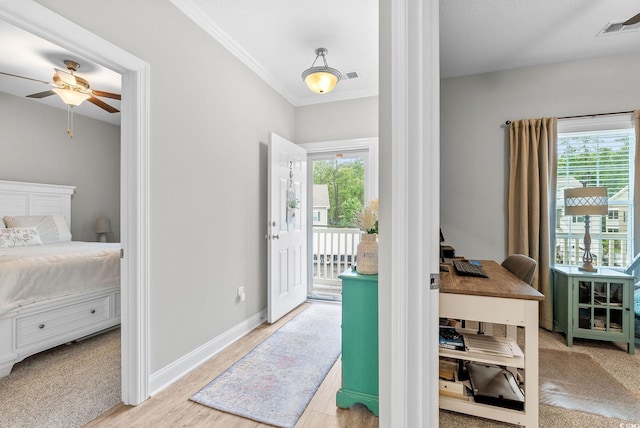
x,y
19,198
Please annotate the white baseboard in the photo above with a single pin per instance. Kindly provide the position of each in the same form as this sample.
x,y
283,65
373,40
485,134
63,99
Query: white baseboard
x,y
179,368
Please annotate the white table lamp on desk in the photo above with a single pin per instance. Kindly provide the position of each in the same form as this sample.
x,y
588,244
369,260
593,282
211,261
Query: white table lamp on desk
x,y
103,226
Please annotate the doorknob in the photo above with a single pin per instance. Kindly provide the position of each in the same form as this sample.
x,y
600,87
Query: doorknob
x,y
276,236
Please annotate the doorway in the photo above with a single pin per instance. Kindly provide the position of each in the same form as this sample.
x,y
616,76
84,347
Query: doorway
x,y
41,21
342,178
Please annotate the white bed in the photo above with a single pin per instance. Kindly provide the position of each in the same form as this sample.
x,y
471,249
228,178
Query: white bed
x,y
52,290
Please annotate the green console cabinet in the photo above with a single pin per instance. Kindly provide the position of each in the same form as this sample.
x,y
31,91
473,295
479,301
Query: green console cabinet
x,y
359,341
593,305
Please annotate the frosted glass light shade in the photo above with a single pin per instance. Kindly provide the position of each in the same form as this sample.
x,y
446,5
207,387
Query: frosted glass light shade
x,y
322,80
71,97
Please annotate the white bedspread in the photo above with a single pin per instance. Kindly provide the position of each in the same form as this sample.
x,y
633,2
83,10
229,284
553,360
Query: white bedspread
x,y
37,273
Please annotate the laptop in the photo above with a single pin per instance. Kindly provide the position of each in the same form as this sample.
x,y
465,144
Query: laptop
x,y
494,385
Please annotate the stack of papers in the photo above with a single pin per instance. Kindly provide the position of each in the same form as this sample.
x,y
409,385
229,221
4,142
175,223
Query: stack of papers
x,y
493,345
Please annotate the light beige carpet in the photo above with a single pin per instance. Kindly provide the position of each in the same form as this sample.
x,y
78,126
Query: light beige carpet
x,y
66,386
575,381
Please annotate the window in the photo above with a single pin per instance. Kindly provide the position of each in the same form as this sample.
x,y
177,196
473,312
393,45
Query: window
x,y
596,152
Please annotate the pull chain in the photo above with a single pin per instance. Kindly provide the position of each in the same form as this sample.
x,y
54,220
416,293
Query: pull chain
x,y
70,120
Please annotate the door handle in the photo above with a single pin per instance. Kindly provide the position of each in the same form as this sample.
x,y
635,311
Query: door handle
x,y
276,236
267,237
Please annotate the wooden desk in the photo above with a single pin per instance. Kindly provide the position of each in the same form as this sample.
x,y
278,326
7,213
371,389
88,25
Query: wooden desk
x,y
501,299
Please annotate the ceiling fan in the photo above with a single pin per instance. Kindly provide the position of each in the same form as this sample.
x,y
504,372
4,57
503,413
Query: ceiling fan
x,y
72,88
633,20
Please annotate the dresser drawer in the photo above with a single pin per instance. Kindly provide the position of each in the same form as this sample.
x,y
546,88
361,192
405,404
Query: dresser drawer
x,y
35,328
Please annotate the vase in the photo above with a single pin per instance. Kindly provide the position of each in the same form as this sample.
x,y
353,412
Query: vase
x,y
367,262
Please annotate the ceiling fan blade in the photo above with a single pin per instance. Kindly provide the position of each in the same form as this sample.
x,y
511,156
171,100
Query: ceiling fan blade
x,y
67,78
632,21
23,77
41,94
102,105
106,94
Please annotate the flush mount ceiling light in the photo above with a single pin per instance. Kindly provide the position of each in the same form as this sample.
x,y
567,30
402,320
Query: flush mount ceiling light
x,y
321,79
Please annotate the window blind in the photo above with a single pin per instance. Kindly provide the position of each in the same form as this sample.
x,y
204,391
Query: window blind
x,y
596,153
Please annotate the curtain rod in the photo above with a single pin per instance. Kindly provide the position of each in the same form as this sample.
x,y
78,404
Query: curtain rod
x,y
508,122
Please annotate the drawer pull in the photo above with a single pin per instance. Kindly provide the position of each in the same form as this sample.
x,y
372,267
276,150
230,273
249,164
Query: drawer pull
x,y
41,326
93,311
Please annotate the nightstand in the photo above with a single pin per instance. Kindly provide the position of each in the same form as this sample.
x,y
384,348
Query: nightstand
x,y
593,305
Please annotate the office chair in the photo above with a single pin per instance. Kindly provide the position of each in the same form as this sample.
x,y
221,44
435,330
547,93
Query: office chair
x,y
523,267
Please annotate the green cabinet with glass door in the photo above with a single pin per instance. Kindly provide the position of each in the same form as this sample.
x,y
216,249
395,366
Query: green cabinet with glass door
x,y
359,341
593,305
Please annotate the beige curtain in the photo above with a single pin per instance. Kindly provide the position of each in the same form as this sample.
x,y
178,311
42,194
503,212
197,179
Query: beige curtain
x,y
532,196
636,188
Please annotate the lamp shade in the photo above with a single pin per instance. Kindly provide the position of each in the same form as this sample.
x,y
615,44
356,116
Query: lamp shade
x,y
71,97
103,225
586,201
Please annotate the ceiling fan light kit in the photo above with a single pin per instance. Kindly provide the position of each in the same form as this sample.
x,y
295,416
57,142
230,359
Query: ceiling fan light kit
x,y
321,79
73,90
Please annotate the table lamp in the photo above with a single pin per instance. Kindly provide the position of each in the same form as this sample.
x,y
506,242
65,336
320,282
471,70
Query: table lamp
x,y
586,201
103,226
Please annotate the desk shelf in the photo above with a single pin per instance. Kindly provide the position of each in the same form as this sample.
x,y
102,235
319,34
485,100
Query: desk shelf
x,y
516,361
517,417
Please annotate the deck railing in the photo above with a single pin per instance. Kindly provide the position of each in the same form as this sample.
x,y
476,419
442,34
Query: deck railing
x,y
610,251
334,250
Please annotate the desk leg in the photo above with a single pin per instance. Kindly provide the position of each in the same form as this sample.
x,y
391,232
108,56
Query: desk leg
x,y
531,363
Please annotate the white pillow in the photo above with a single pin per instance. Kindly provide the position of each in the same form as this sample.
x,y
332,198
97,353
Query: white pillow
x,y
64,233
50,228
19,237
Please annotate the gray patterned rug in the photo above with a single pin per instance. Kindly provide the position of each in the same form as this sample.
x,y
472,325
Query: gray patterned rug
x,y
275,382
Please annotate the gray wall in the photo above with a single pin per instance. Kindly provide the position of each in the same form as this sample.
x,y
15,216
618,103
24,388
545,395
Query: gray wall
x,y
36,148
341,120
207,171
474,140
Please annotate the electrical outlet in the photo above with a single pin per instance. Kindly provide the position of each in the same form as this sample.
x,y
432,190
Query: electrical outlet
x,y
241,294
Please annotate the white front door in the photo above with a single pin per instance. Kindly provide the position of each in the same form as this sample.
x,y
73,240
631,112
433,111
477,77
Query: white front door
x,y
287,227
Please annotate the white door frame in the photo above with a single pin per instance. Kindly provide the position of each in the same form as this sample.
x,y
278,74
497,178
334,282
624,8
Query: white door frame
x,y
134,196
409,212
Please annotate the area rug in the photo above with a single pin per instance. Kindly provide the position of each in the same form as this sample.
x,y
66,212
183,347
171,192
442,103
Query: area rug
x,y
275,382
575,381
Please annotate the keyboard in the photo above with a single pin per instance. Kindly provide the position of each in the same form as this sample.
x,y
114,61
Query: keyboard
x,y
468,269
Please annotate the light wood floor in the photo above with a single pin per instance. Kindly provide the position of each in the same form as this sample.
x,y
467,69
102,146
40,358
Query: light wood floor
x,y
172,407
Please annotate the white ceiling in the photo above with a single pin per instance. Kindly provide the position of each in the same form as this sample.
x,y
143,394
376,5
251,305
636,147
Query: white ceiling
x,y
478,36
277,39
